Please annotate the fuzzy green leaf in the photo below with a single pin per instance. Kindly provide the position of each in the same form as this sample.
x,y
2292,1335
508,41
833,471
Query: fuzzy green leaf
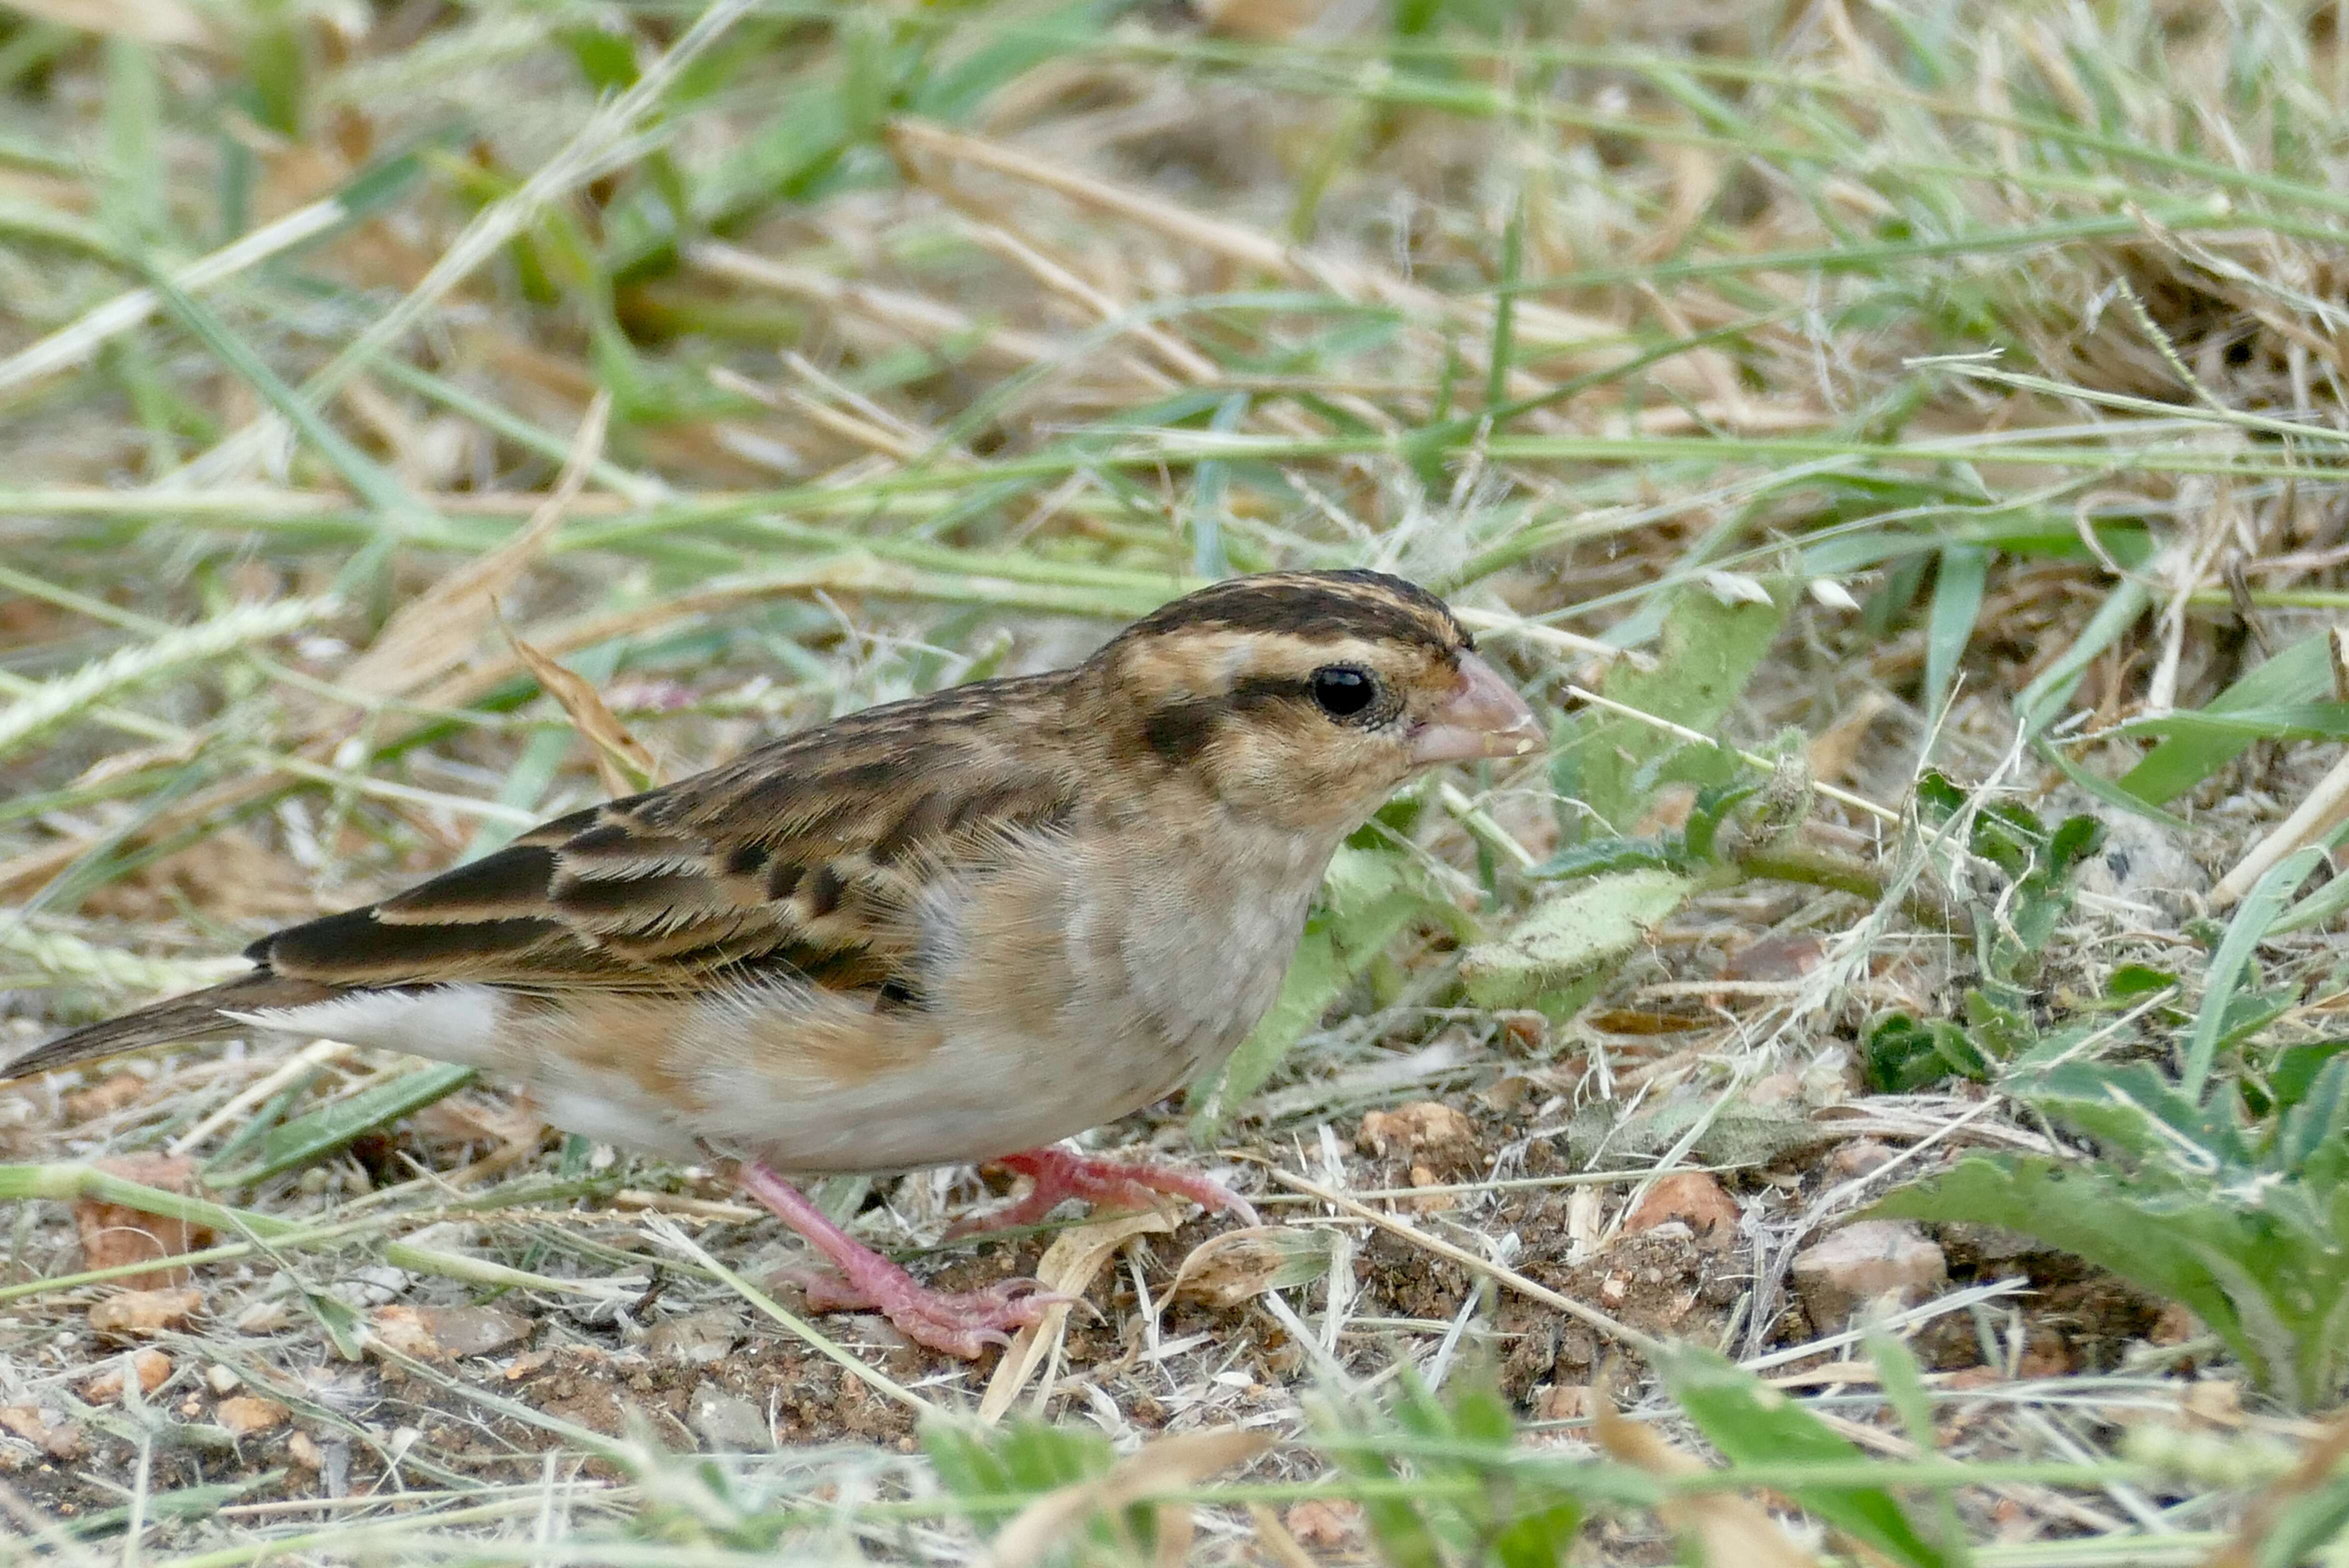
x,y
1708,652
2265,1265
1572,933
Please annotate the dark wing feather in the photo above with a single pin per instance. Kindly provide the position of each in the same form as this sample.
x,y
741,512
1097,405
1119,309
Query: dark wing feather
x,y
800,857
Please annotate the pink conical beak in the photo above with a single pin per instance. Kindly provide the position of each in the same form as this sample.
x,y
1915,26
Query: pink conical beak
x,y
1482,719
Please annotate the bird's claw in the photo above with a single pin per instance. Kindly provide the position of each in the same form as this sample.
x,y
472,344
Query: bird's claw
x,y
957,1323
1055,1174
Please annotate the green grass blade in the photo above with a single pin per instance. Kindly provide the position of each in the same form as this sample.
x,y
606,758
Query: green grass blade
x,y
397,512
1957,604
2244,934
2038,703
330,1127
2302,673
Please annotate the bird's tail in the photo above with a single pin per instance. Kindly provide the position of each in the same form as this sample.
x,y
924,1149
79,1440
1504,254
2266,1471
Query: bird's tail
x,y
198,1015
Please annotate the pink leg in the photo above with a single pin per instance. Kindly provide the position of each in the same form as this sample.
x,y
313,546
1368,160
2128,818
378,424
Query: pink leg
x,y
959,1325
1115,1184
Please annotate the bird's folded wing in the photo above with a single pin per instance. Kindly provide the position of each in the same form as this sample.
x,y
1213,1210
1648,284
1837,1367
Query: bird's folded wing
x,y
802,858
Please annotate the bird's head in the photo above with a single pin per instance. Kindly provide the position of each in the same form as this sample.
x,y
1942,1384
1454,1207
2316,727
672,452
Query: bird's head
x,y
1305,698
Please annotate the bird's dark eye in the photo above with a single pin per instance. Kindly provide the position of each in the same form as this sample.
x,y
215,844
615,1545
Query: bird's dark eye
x,y
1343,690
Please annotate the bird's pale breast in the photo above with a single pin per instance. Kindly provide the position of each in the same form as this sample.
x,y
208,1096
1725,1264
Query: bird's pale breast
x,y
1066,986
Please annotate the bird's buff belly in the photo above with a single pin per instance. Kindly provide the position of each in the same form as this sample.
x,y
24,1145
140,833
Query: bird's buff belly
x,y
806,1092
808,1085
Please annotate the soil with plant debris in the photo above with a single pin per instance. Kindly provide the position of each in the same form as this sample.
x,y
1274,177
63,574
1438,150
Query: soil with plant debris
x,y
684,1367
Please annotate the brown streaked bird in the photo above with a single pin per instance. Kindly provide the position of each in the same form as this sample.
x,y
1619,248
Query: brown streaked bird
x,y
959,928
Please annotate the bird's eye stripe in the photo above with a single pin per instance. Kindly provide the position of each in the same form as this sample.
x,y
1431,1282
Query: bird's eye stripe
x,y
1259,691
1179,731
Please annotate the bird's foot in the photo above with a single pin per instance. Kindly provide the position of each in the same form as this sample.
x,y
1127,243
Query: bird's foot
x,y
959,1323
1056,1173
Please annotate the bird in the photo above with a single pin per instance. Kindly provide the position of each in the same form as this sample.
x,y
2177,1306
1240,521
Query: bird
x,y
960,928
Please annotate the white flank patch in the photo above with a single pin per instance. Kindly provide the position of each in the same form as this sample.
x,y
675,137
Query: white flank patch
x,y
454,1023
623,1117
